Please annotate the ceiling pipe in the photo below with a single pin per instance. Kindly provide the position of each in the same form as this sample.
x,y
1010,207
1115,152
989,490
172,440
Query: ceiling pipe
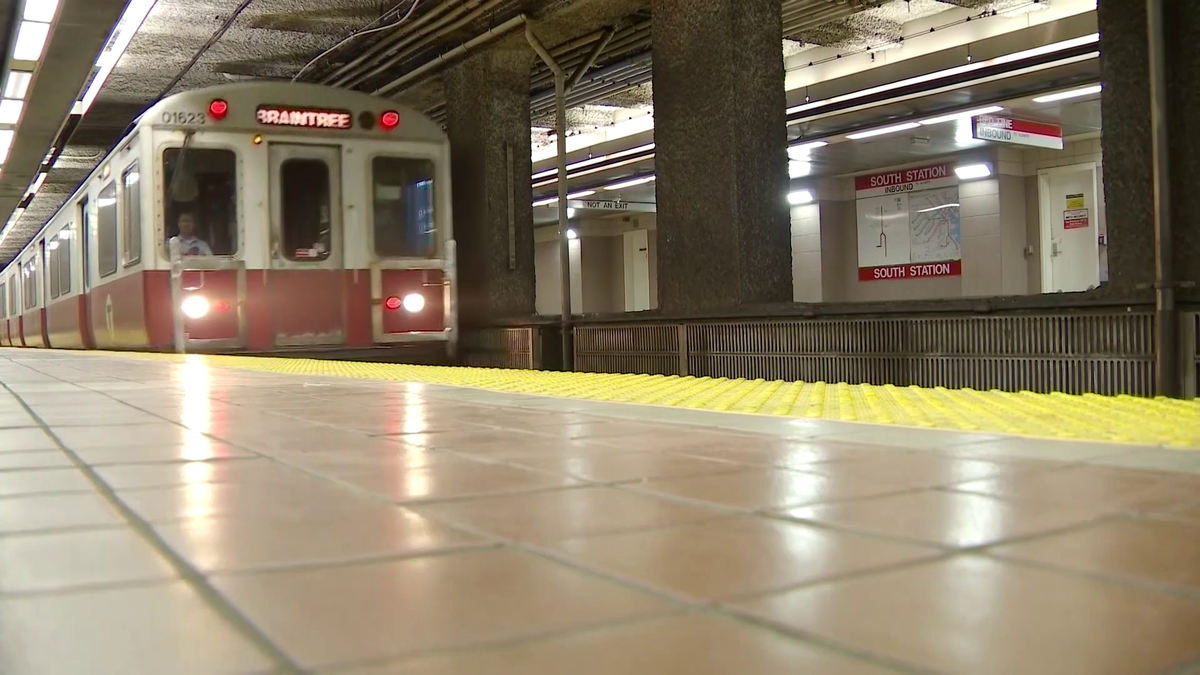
x,y
591,58
564,242
400,84
411,49
382,44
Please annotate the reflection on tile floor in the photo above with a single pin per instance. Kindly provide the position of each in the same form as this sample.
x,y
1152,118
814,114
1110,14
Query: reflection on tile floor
x,y
163,518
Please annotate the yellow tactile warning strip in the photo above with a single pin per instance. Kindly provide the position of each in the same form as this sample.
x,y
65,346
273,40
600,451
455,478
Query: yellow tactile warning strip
x,y
1122,419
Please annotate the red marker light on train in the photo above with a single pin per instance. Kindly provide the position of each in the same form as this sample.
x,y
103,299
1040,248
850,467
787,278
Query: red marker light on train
x,y
218,108
222,306
389,120
392,303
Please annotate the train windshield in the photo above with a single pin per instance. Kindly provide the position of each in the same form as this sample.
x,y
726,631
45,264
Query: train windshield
x,y
200,203
403,196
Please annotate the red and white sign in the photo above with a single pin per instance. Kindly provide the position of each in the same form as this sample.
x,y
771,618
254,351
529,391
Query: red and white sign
x,y
905,180
1075,219
302,117
1018,132
949,268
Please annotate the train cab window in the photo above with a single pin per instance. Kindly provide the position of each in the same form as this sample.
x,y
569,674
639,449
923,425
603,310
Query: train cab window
x,y
402,190
131,209
106,230
306,225
200,200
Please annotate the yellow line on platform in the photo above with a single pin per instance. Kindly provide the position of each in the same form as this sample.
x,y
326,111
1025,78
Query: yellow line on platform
x,y
1090,417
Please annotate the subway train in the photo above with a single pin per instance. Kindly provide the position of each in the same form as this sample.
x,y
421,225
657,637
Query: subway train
x,y
249,217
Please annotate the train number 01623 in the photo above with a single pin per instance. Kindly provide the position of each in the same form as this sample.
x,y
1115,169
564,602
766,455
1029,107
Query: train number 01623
x,y
186,118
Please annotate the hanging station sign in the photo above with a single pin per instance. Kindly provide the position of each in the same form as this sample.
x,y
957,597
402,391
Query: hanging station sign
x,y
908,224
283,116
1017,132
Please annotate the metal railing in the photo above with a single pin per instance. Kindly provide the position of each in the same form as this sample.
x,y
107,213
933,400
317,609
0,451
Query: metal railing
x,y
1108,351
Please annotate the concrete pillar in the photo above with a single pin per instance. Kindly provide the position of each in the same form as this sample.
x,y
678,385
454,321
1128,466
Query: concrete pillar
x,y
488,120
1126,141
721,154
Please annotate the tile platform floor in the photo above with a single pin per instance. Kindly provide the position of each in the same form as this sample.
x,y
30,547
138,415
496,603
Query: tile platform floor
x,y
174,518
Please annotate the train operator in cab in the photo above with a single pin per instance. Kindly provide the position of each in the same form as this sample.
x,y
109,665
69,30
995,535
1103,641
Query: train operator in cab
x,y
189,243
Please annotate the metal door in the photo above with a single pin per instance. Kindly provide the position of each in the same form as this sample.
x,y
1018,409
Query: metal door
x,y
306,284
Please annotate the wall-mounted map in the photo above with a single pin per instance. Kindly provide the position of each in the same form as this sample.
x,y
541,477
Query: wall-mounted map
x,y
908,224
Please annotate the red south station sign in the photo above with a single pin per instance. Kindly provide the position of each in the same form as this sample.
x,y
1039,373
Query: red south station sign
x,y
1017,132
949,268
905,180
303,117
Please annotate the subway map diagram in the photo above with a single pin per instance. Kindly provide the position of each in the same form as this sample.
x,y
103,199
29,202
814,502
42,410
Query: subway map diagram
x,y
935,232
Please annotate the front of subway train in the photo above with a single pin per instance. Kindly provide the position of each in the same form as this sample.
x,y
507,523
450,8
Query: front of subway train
x,y
320,217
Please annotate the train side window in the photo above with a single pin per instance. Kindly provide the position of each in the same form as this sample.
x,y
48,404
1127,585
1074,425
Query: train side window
x,y
200,200
402,192
53,262
131,209
306,224
30,286
65,261
12,294
3,301
106,230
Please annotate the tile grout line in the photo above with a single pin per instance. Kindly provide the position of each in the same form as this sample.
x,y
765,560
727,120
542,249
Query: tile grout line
x,y
182,566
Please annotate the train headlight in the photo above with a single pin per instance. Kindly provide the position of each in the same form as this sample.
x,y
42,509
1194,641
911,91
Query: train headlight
x,y
194,307
414,302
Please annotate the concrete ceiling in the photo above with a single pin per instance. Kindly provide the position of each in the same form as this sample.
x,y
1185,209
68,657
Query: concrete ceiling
x,y
186,44
79,33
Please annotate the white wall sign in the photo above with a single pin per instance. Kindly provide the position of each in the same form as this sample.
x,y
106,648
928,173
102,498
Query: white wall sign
x,y
1017,132
908,224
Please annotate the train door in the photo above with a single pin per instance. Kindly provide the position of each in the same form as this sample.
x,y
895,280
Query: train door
x,y
306,286
4,340
44,297
87,330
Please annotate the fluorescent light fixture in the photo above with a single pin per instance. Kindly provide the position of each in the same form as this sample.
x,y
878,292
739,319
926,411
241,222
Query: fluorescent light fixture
x,y
16,85
10,110
595,160
949,72
546,202
31,40
800,197
106,201
38,182
884,130
630,183
40,10
804,149
570,212
127,27
581,194
52,245
1074,93
954,117
572,234
799,169
1047,49
6,139
972,171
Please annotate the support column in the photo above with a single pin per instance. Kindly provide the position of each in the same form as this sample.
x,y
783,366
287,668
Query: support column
x,y
721,154
1128,149
488,123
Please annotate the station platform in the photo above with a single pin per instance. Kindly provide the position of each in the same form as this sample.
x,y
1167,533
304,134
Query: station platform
x,y
187,514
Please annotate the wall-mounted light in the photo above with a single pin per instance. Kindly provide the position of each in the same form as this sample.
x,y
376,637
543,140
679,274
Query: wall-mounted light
x,y
883,130
800,197
972,171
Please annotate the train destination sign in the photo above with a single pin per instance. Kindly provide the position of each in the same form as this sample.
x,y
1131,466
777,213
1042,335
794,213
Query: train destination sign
x,y
303,117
